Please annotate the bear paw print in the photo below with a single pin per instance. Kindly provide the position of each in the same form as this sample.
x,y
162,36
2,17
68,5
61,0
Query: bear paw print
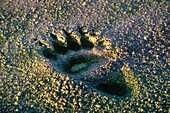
x,y
81,54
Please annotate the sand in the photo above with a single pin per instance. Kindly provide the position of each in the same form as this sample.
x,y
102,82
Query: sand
x,y
31,82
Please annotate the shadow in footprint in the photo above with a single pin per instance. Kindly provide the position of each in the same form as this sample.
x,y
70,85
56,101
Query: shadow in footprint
x,y
118,87
76,64
49,54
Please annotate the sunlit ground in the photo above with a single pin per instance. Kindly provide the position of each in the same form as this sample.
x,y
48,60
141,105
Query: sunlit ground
x,y
47,63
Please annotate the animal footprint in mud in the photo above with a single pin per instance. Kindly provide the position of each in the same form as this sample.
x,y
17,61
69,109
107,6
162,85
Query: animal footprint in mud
x,y
84,56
